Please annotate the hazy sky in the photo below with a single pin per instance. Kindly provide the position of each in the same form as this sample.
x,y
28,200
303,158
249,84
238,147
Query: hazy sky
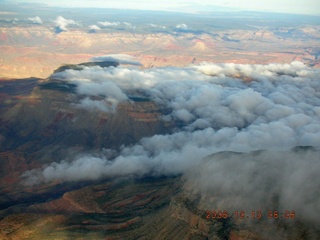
x,y
286,6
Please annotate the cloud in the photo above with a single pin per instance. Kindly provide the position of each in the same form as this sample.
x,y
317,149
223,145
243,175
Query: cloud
x,y
36,20
265,180
129,25
258,71
156,26
120,58
182,26
93,28
97,105
108,91
70,171
61,24
219,107
209,93
109,24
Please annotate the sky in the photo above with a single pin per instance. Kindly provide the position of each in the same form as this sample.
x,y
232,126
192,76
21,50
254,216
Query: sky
x,y
310,7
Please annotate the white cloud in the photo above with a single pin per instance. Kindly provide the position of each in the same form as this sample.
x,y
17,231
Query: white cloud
x,y
103,88
182,26
266,180
276,110
129,25
216,98
156,26
109,24
61,23
94,28
99,105
36,20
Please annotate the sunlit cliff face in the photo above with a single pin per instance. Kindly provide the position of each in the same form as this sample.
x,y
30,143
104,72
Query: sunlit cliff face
x,y
37,50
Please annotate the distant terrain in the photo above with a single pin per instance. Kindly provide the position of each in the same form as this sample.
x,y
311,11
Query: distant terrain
x,y
35,47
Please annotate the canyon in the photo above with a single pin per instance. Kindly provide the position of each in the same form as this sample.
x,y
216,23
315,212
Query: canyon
x,y
38,51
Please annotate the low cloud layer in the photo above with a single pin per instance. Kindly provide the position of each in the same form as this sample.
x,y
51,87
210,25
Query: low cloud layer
x,y
108,24
220,107
129,25
93,28
36,20
108,105
61,24
266,180
156,26
182,26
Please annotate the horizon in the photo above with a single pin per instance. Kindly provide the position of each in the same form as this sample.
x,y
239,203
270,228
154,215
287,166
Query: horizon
x,y
308,7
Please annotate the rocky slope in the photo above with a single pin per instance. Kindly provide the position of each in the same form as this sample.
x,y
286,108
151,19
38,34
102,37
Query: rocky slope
x,y
48,117
135,209
43,125
125,209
